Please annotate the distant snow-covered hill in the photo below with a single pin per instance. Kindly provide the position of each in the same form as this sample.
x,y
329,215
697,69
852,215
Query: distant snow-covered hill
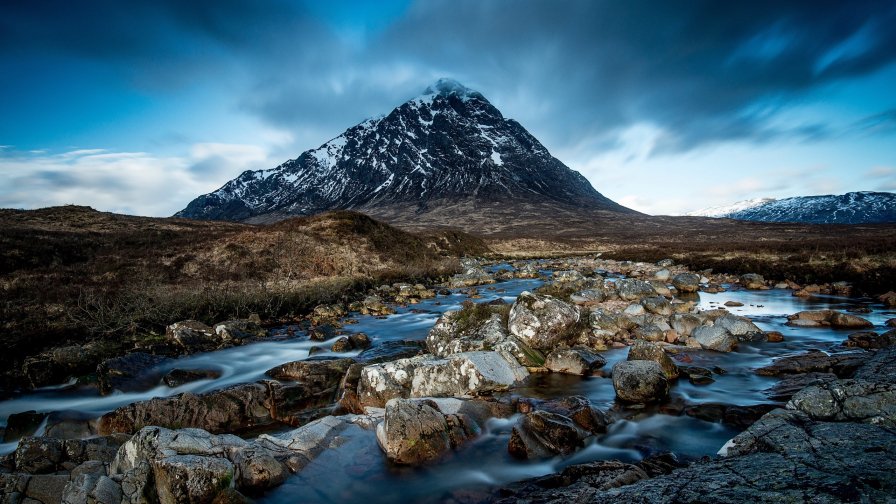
x,y
863,207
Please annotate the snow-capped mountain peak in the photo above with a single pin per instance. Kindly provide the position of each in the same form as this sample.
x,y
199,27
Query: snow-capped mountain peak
x,y
448,144
723,211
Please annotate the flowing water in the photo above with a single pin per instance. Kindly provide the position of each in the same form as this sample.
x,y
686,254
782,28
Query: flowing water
x,y
357,470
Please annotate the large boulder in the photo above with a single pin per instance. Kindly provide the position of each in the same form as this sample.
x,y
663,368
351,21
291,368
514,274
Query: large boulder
x,y
848,400
640,381
714,337
323,373
825,318
542,322
752,281
657,305
740,327
466,374
643,350
479,327
686,282
553,427
415,431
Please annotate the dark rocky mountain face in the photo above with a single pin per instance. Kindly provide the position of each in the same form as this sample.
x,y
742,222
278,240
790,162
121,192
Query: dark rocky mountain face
x,y
446,146
864,207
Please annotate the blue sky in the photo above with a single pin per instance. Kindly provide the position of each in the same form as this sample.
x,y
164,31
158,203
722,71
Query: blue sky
x,y
667,107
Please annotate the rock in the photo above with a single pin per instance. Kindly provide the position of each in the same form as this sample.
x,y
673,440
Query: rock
x,y
239,331
891,322
576,483
381,382
542,434
359,341
22,424
415,431
475,327
643,350
733,304
192,336
640,381
323,332
256,469
46,488
471,277
714,337
663,275
542,322
736,416
467,373
657,305
888,299
634,310
387,351
328,312
791,384
39,455
225,410
843,365
634,290
177,377
848,401
341,345
847,321
650,332
132,372
696,375
91,489
191,478
374,305
95,449
880,367
323,373
590,296
741,327
752,281
686,282
573,277
871,340
684,324
577,361
12,487
774,337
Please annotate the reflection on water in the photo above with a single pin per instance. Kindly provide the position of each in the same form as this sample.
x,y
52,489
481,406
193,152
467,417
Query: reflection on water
x,y
358,471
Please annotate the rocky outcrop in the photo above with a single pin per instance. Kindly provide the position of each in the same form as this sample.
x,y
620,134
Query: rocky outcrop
x,y
848,401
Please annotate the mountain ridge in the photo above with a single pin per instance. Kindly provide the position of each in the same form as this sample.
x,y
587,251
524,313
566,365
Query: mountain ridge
x,y
449,144
859,207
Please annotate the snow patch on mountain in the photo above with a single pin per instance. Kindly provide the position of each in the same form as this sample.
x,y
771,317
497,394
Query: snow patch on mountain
x,y
724,211
863,207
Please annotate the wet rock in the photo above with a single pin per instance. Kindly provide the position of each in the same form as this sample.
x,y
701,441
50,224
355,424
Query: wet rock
x,y
848,400
391,350
752,281
888,299
782,457
871,340
650,332
389,380
577,408
256,469
643,350
374,305
191,478
714,337
663,275
791,384
359,341
12,487
322,373
880,367
467,373
22,424
341,345
39,455
696,375
472,275
843,365
736,416
634,290
576,483
741,327
774,337
239,331
328,312
135,371
542,434
541,322
192,336
733,304
569,277
323,332
225,410
57,365
415,431
823,318
640,381
577,361
686,282
177,377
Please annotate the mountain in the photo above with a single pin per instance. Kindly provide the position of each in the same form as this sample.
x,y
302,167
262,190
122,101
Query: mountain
x,y
851,208
447,151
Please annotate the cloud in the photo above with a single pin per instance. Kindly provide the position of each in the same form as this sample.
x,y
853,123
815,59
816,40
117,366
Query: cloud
x,y
882,178
126,182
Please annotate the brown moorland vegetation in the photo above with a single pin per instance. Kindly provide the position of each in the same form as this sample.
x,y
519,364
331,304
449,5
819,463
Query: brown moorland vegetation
x,y
72,274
